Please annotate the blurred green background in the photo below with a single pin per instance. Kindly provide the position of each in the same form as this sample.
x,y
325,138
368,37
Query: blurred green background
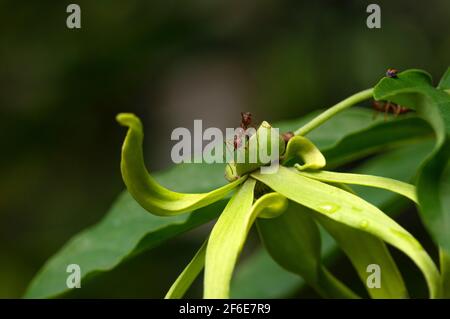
x,y
170,62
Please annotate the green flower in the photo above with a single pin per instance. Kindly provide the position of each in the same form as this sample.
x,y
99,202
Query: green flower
x,y
287,207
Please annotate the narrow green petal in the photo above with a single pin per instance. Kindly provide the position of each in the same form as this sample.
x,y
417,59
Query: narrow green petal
x,y
352,211
293,241
390,184
444,260
187,277
143,187
229,233
300,147
364,249
270,206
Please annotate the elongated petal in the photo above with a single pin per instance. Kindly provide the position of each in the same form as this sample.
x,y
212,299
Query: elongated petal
x,y
229,233
268,206
300,147
355,212
293,241
444,260
187,277
390,184
143,187
364,249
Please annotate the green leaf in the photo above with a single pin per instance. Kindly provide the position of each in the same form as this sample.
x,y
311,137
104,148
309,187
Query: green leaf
x,y
145,189
356,131
105,245
352,211
444,84
293,241
394,133
229,233
187,277
300,148
390,184
413,88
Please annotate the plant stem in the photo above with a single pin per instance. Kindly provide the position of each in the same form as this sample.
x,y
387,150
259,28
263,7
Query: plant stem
x,y
332,111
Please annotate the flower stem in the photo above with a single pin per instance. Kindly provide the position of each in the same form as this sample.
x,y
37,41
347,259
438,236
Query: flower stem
x,y
332,111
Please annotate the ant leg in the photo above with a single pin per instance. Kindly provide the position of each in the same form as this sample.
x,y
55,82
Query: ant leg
x,y
397,110
390,106
394,107
387,106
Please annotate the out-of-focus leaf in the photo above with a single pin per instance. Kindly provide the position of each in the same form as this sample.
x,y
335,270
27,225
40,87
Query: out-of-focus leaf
x,y
355,133
105,245
131,227
414,89
393,185
187,277
259,276
393,133
352,211
293,241
154,197
229,233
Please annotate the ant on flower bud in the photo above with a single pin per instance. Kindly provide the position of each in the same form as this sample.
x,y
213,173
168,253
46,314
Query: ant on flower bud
x,y
246,123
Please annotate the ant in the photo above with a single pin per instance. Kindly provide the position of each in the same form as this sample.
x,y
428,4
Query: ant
x,y
391,73
246,123
246,120
389,107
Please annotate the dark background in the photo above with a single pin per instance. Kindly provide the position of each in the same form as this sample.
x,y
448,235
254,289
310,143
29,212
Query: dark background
x,y
169,62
